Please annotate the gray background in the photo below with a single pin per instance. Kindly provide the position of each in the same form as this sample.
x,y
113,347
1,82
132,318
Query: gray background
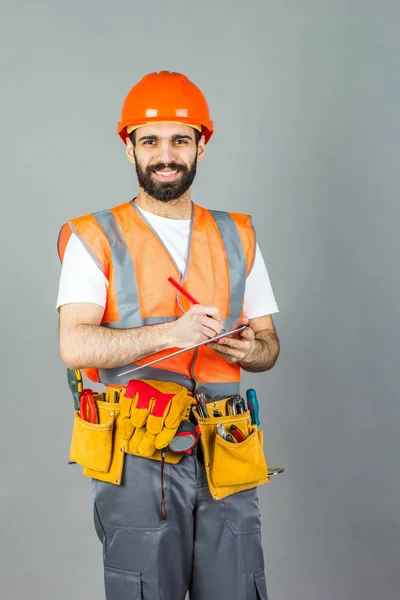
x,y
305,98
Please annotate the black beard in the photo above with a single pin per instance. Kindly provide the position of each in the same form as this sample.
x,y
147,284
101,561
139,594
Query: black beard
x,y
170,190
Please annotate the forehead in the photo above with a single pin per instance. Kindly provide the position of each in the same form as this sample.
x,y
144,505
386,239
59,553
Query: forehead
x,y
164,130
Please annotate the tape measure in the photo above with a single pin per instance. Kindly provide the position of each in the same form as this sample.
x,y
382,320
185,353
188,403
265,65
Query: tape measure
x,y
186,438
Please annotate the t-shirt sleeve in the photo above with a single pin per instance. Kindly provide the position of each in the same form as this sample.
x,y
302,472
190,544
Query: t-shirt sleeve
x,y
259,299
81,280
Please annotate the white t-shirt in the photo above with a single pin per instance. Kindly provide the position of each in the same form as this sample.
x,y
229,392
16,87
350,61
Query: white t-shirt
x,y
81,279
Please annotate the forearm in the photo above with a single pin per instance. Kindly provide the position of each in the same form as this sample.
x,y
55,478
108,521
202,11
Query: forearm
x,y
94,346
263,355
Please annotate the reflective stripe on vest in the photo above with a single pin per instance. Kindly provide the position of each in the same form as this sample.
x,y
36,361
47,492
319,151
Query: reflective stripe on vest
x,y
124,270
211,389
236,264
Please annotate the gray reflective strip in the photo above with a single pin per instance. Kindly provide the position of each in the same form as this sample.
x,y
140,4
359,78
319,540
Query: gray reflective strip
x,y
236,264
157,320
109,377
147,321
220,389
80,238
124,273
255,247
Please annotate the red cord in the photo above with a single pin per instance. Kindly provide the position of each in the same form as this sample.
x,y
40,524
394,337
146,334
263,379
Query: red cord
x,y
163,508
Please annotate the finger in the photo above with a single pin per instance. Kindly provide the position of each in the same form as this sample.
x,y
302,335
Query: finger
x,y
230,353
237,343
205,309
212,324
207,332
247,334
228,349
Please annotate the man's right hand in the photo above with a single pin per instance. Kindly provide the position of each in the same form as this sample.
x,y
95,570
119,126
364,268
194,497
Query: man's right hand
x,y
198,324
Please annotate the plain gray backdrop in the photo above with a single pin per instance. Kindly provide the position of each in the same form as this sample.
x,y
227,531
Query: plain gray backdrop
x,y
305,99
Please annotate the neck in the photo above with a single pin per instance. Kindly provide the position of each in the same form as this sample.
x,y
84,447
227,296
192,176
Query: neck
x,y
181,208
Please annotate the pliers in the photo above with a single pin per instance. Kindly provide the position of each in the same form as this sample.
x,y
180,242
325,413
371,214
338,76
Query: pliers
x,y
223,433
88,410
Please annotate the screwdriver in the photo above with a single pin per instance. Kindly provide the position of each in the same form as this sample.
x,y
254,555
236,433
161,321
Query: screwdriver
x,y
252,403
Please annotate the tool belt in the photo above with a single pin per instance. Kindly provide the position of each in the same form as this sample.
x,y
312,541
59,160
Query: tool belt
x,y
143,419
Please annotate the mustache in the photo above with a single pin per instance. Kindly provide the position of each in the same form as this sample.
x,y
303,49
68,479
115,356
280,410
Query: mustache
x,y
173,166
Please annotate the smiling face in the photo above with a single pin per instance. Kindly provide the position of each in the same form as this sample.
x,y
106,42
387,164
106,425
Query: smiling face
x,y
165,156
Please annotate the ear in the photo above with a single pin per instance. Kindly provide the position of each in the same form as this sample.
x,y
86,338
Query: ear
x,y
130,151
201,149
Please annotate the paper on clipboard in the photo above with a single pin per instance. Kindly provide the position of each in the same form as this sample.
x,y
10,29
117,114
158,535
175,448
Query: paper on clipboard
x,y
217,337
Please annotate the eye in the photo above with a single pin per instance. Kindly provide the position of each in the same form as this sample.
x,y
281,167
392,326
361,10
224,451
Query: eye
x,y
180,142
149,142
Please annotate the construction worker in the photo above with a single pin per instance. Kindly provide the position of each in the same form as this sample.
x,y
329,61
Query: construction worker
x,y
170,522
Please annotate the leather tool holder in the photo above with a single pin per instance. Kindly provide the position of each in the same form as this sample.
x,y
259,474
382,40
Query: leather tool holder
x,y
231,467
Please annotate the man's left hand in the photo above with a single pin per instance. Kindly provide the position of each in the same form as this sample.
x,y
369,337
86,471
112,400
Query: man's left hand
x,y
236,347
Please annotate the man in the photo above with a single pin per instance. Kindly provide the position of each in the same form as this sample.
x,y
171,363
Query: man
x,y
118,312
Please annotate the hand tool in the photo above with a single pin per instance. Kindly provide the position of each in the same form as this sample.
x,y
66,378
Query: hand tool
x,y
184,292
186,438
237,433
74,377
217,337
223,433
216,413
277,471
88,409
201,404
235,405
252,403
240,405
231,406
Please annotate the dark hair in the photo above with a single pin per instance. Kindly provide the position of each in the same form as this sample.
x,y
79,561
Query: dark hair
x,y
197,136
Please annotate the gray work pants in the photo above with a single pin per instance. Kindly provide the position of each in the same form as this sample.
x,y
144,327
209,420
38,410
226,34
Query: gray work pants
x,y
210,548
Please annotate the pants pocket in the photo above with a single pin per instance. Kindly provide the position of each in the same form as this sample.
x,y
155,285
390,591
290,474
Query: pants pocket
x,y
260,586
239,463
122,585
91,444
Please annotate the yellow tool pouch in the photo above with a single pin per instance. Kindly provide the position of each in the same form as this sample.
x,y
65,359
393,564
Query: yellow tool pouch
x,y
98,447
231,467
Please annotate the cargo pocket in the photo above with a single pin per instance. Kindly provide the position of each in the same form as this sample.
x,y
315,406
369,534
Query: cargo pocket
x,y
239,463
260,586
91,444
124,585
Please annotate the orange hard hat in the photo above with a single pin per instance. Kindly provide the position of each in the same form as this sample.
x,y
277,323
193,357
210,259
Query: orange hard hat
x,y
165,97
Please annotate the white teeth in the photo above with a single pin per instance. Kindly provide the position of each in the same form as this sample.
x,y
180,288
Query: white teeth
x,y
166,173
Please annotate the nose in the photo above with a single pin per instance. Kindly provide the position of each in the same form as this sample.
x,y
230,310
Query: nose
x,y
166,152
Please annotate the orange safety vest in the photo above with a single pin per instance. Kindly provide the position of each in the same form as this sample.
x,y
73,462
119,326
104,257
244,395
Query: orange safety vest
x,y
137,265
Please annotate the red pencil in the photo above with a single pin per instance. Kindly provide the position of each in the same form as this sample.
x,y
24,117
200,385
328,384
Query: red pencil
x,y
182,291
